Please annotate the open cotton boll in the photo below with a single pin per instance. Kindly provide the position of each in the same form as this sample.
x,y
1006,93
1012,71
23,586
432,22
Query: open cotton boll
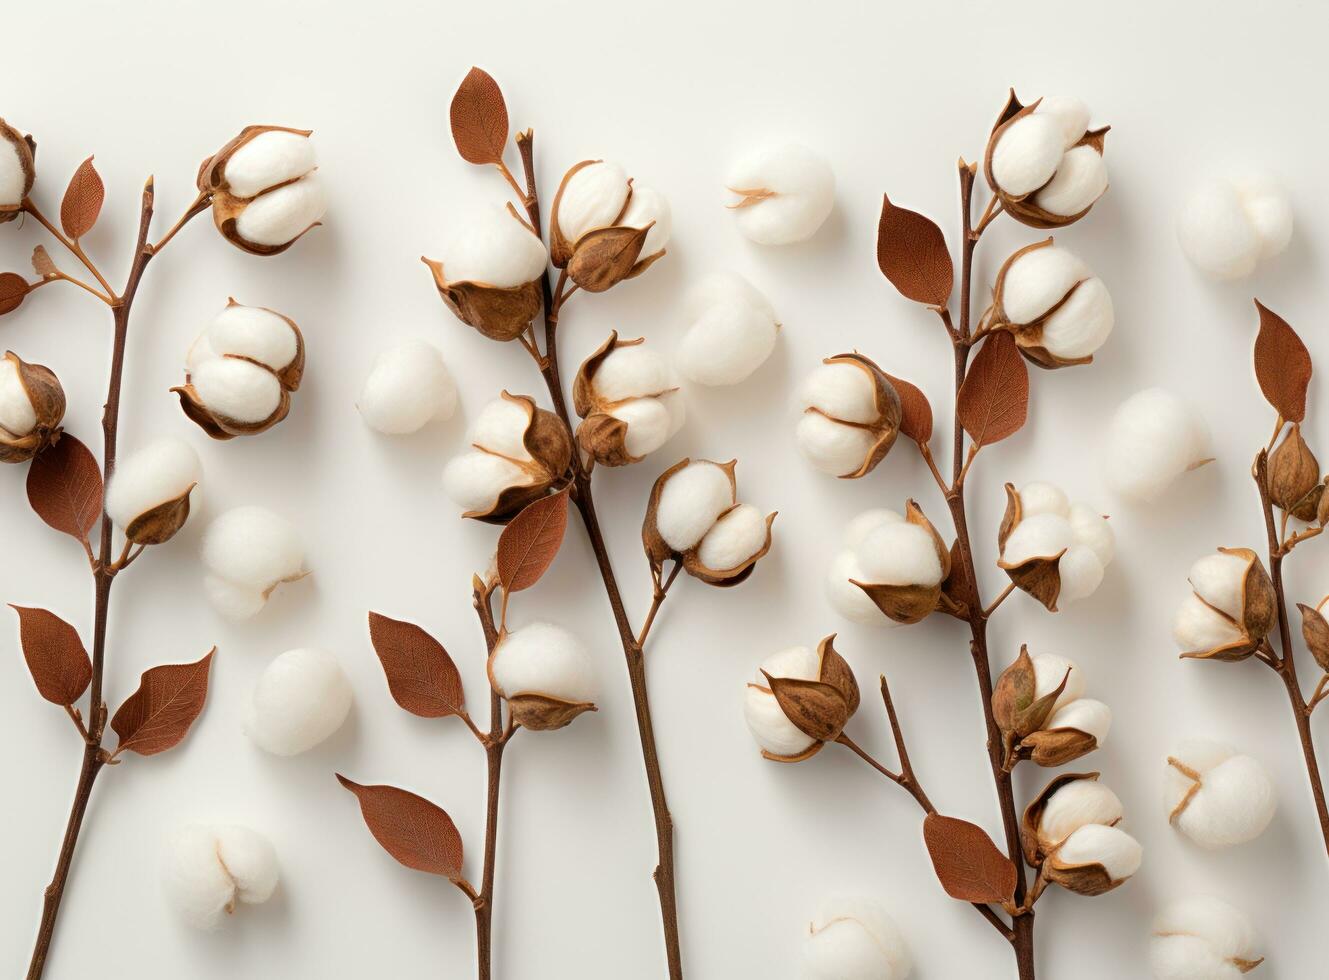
x,y
209,869
843,391
1117,851
301,698
1080,180
786,193
733,539
161,471
282,215
489,245
1091,529
691,502
1220,579
1202,938
473,481
255,333
1085,715
1083,323
831,446
854,939
1027,155
17,415
500,427
541,658
773,731
408,387
1153,438
267,160
1076,804
1233,802
899,554
648,206
1227,225
1049,669
649,425
236,389
847,598
1038,280
1196,627
591,198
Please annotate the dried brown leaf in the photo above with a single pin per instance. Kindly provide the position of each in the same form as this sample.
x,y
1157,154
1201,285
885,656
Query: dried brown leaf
x,y
1282,365
65,487
13,288
479,119
530,542
967,863
1316,633
915,410
421,676
56,657
912,254
43,263
994,400
83,200
414,831
159,714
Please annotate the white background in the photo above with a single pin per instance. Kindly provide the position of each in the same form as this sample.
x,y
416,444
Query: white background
x,y
891,95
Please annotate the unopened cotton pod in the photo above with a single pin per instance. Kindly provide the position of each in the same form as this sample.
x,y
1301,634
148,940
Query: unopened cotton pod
x,y
300,699
210,869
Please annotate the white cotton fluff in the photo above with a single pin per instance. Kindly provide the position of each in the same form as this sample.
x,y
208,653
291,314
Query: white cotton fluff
x,y
1049,669
1117,851
1028,153
847,598
1220,580
1041,536
832,447
408,387
17,416
1084,715
283,215
490,245
631,372
649,424
769,725
732,330
246,331
690,503
839,393
802,188
899,554
1092,530
592,198
162,470
500,428
1082,324
1081,574
1229,224
1235,801
541,658
1075,805
473,481
1202,938
647,205
12,177
1050,525
1198,628
858,529
1080,180
209,869
248,551
1043,498
854,939
269,159
733,539
842,391
1038,280
236,389
1070,113
1153,438
301,698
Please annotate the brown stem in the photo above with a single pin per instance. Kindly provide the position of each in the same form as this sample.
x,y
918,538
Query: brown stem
x,y
494,742
1286,665
71,245
636,664
94,755
657,600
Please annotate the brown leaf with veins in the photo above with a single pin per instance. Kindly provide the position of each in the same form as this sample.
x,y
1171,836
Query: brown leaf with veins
x,y
159,714
421,676
915,410
479,118
967,863
82,201
56,657
994,400
13,288
416,832
65,487
1282,365
530,542
912,254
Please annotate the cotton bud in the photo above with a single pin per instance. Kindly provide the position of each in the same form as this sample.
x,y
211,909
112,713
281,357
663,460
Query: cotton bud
x,y
1154,437
628,400
148,494
545,675
1070,832
17,170
491,273
248,552
1231,608
301,698
265,188
241,371
1294,476
1039,707
1044,163
1228,225
520,453
1059,312
1217,797
604,228
210,869
1054,550
1202,938
732,330
32,404
785,193
801,701
408,387
854,939
897,563
851,416
693,516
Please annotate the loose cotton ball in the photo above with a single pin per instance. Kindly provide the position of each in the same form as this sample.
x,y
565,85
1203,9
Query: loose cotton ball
x,y
1229,225
301,698
248,552
1216,796
732,330
1202,938
784,194
854,939
408,387
1154,437
211,869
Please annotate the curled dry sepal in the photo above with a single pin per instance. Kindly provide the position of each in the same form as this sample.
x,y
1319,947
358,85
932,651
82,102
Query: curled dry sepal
x,y
1039,708
628,400
32,405
1070,834
1217,796
1053,549
1231,608
805,702
148,496
1202,936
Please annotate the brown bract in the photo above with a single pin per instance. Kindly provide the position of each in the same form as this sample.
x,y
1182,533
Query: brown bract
x,y
912,603
601,435
602,257
25,147
1294,476
1040,575
157,525
1029,336
48,403
549,444
1259,604
227,207
818,708
1020,715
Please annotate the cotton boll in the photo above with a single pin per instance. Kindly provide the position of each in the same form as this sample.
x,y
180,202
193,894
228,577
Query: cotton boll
x,y
500,427
1081,573
231,599
649,425
854,939
786,193
647,205
591,198
1117,851
1235,799
1049,669
726,343
1153,438
282,215
1082,324
856,532
301,698
17,416
773,731
1040,536
237,389
1080,180
161,471
541,658
491,246
831,446
1085,715
408,386
1202,938
734,538
847,598
269,159
1071,115
1077,804
900,554
630,372
255,333
1091,529
13,177
1197,628
691,501
253,546
1038,280
842,391
1268,209
1220,580
1028,152
209,869
473,481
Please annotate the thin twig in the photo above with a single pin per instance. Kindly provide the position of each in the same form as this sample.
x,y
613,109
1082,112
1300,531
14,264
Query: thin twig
x,y
494,742
657,599
71,246
66,277
992,606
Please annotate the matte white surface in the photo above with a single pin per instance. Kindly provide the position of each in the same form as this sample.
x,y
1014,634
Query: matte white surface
x,y
891,94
